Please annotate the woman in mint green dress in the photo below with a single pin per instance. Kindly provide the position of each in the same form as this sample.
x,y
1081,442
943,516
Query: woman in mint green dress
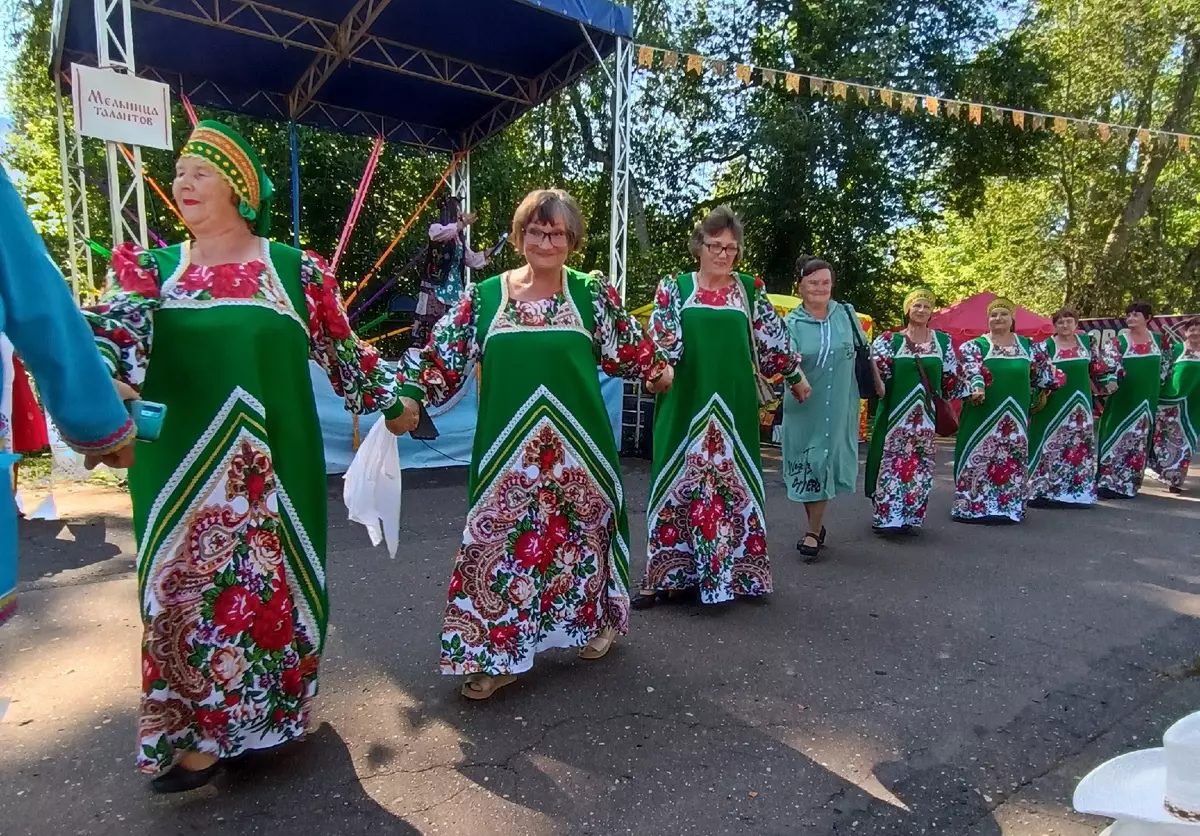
x,y
707,515
544,561
229,505
991,450
1062,432
1178,424
1124,433
820,435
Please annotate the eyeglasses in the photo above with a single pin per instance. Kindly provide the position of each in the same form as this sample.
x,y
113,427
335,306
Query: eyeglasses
x,y
538,238
717,250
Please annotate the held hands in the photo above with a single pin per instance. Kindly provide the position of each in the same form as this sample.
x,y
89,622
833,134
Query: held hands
x,y
122,458
801,390
661,383
977,396
406,421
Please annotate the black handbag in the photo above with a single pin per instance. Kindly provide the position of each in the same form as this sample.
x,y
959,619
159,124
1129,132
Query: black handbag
x,y
862,360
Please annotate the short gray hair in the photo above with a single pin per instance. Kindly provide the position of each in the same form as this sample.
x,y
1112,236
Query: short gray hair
x,y
718,220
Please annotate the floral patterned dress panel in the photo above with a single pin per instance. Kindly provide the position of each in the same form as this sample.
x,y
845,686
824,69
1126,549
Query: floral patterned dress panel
x,y
1128,421
1177,425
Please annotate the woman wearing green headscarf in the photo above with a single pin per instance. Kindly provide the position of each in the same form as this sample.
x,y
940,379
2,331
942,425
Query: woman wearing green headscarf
x,y
229,503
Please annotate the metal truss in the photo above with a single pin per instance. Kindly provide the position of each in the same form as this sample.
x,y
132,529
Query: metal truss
x,y
74,185
618,247
460,187
114,50
346,40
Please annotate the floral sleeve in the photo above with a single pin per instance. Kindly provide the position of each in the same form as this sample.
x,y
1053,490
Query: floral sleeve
x,y
434,373
774,344
123,322
973,374
665,325
625,351
951,368
1105,363
354,368
1043,374
884,355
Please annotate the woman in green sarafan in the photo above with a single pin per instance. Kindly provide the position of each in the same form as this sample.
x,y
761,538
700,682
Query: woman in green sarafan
x,y
544,560
901,460
1177,426
991,451
1128,420
707,511
229,505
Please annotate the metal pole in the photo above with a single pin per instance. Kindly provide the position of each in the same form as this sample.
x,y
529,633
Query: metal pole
x,y
294,140
68,197
618,248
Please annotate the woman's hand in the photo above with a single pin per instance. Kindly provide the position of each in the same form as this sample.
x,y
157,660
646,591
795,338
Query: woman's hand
x,y
977,396
407,420
1109,388
125,392
121,459
801,389
661,383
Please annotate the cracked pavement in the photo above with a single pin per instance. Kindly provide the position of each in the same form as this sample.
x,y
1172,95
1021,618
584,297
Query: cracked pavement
x,y
960,682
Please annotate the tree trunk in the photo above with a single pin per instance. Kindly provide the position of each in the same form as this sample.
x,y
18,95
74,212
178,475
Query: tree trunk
x,y
1117,244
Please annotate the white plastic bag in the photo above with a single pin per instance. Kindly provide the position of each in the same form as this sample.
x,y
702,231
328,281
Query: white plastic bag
x,y
372,489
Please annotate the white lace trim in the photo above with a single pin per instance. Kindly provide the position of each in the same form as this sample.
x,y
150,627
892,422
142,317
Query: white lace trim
x,y
506,327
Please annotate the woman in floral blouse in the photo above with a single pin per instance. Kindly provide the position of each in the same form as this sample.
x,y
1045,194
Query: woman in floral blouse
x,y
1125,427
991,453
1178,423
719,330
544,560
901,460
1062,432
229,504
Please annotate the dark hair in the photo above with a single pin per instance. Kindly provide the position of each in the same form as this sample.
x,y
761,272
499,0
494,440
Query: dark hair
x,y
1064,312
449,208
718,220
806,265
1140,307
545,206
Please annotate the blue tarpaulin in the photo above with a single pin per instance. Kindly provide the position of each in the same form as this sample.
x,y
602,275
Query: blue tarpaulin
x,y
433,73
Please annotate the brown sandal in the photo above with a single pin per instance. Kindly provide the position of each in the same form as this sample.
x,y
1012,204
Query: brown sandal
x,y
598,647
480,686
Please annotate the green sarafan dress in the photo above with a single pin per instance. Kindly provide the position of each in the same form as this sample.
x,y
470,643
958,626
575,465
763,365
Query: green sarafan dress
x,y
991,451
1062,433
902,456
1178,424
1128,419
544,560
229,505
707,509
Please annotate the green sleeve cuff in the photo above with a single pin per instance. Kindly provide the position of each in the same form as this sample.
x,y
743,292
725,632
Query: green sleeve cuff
x,y
394,411
409,390
793,379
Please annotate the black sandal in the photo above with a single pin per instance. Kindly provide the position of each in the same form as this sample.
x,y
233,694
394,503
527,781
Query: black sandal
x,y
642,601
809,553
180,779
821,537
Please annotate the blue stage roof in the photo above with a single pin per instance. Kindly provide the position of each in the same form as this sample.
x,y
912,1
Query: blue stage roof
x,y
440,74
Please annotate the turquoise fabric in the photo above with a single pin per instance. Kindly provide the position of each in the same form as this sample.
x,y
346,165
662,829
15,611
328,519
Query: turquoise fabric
x,y
48,332
820,436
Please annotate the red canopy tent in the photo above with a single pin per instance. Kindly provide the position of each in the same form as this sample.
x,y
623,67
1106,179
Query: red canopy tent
x,y
967,320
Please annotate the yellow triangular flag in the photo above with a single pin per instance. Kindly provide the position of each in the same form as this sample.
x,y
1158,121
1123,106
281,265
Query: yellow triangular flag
x,y
695,64
1144,136
931,105
769,78
1060,125
743,73
645,56
1104,131
886,97
816,86
953,109
1185,142
1019,118
793,83
671,60
863,93
908,103
839,89
975,114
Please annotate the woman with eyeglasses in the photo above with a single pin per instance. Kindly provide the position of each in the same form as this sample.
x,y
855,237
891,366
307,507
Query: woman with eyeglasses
x,y
544,557
707,511
820,435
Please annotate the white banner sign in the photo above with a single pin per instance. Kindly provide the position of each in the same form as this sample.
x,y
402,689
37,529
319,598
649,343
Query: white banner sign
x,y
121,108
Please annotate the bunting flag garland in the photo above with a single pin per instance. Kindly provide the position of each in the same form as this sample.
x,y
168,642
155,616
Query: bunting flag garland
x,y
910,102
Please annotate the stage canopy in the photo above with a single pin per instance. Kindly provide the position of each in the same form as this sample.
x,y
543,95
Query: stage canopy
x,y
438,74
968,319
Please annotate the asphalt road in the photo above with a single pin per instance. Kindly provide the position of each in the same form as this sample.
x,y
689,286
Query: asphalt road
x,y
959,682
